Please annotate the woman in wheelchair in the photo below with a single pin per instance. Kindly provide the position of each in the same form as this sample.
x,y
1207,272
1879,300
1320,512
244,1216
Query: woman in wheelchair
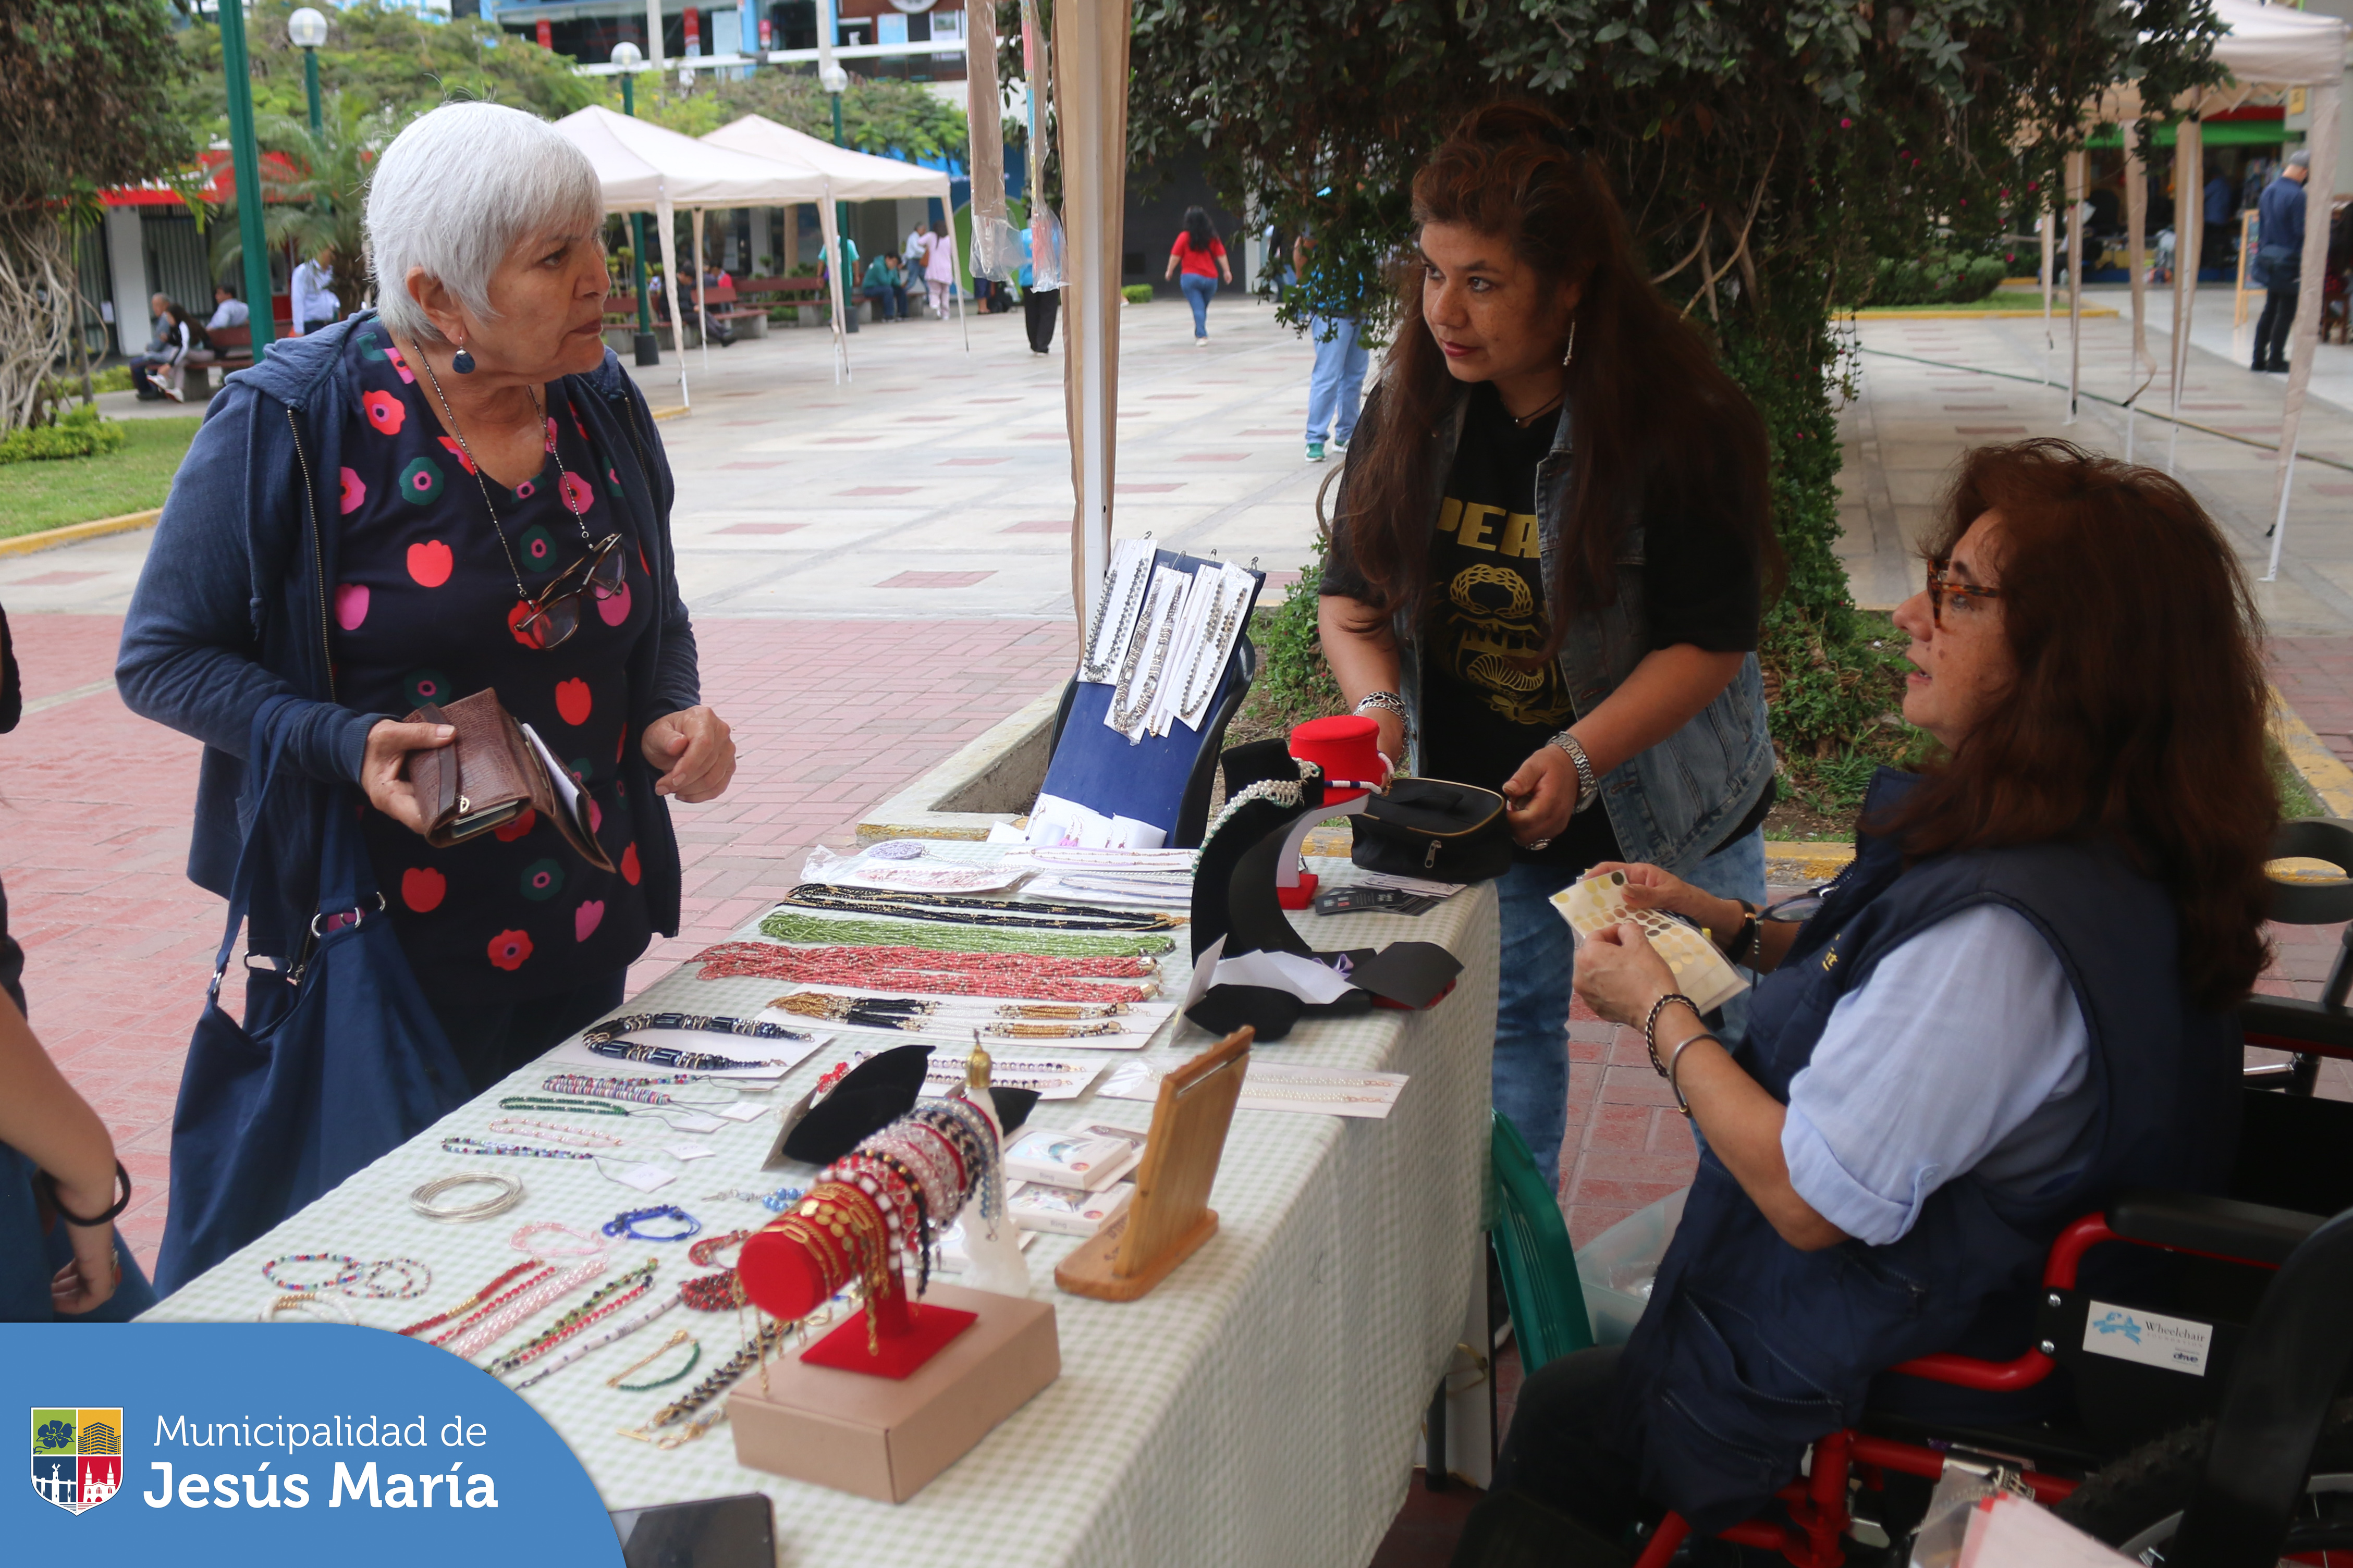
x,y
2016,1000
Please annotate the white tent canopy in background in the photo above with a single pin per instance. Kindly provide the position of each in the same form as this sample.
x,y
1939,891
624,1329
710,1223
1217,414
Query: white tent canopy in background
x,y
2268,48
641,167
850,176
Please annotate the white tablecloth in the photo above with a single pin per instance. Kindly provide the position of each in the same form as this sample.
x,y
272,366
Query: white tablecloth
x,y
1258,1408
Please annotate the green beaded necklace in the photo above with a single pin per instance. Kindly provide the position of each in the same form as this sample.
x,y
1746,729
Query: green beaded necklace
x,y
787,927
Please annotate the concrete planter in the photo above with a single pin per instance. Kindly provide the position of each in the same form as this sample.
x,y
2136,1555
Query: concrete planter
x,y
994,779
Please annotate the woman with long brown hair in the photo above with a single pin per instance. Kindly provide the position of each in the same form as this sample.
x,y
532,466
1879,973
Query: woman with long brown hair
x,y
2016,1000
1548,563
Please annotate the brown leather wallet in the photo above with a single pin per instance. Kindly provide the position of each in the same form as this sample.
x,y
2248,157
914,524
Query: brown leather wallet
x,y
491,774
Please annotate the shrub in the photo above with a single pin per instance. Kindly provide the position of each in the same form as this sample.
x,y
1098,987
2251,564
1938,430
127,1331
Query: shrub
x,y
78,433
1138,293
1293,683
1936,278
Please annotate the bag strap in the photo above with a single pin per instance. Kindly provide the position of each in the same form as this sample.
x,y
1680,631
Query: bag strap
x,y
266,750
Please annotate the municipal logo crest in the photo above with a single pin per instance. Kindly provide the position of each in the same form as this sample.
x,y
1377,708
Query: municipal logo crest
x,y
77,1456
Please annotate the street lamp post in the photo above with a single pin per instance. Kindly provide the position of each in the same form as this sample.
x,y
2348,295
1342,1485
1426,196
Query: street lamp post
x,y
246,158
630,59
308,30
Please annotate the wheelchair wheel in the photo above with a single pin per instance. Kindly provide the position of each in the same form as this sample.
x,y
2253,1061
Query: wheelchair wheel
x,y
2135,1505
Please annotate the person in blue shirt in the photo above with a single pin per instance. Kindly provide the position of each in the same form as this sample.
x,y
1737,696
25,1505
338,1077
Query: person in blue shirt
x,y
2221,219
882,285
1336,386
2279,258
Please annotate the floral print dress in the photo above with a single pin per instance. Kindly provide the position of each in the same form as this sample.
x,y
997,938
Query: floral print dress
x,y
424,604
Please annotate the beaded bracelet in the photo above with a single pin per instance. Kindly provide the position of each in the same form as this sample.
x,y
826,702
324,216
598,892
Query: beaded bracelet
x,y
619,1330
415,1279
555,1133
703,1254
588,1245
277,1305
488,1303
693,1360
478,1146
349,1273
720,1292
494,1327
609,1299
626,1221
677,1339
469,1303
549,1102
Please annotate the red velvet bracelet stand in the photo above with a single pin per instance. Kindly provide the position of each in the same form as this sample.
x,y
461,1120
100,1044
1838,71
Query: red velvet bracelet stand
x,y
783,1278
945,1371
1344,746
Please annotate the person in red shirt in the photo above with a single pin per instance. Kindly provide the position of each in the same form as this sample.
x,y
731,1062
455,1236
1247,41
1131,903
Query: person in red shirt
x,y
1202,256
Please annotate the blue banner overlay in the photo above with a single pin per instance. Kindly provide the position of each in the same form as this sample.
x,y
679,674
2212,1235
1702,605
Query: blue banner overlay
x,y
241,1443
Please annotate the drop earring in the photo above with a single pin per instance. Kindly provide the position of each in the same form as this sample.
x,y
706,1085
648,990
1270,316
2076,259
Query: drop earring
x,y
463,363
1570,353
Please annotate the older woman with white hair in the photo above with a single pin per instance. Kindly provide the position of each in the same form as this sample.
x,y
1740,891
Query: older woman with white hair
x,y
458,489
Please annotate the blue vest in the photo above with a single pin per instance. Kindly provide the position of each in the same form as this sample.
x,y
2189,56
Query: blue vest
x,y
1750,1348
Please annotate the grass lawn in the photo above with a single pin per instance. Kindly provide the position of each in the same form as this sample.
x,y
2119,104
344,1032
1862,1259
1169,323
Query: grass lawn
x,y
35,497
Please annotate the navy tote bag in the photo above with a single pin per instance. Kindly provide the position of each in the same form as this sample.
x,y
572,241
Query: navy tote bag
x,y
339,1061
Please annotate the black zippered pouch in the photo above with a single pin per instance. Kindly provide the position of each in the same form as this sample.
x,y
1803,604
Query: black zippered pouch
x,y
1434,828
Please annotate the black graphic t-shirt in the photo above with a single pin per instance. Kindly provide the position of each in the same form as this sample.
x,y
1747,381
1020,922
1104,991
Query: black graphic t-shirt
x,y
1483,711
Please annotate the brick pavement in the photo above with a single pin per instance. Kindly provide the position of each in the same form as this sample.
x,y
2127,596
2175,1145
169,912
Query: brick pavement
x,y
829,716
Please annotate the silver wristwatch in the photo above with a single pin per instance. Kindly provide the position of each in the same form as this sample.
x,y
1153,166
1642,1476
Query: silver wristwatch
x,y
1388,702
1588,786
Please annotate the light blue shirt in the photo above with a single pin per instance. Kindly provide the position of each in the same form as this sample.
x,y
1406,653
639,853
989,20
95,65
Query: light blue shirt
x,y
1965,1051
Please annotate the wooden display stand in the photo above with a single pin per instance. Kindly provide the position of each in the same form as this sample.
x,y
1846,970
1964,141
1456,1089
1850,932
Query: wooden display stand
x,y
1170,1217
886,1438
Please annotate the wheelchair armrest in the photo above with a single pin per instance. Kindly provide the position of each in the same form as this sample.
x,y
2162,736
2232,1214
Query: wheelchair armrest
x,y
2218,1227
2289,1024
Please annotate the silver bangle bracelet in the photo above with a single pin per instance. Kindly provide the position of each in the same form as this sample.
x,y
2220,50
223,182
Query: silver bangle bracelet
x,y
510,1194
1674,1060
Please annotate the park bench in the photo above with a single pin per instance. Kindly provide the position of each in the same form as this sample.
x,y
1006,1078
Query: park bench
x,y
231,348
718,304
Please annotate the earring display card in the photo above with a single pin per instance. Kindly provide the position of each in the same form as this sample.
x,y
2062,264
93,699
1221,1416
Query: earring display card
x,y
1068,1211
1284,1086
1598,904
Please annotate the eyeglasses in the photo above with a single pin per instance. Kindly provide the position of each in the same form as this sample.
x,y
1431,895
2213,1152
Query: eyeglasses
x,y
1940,584
551,618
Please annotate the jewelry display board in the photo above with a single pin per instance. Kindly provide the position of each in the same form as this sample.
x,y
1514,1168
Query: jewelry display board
x,y
1306,1335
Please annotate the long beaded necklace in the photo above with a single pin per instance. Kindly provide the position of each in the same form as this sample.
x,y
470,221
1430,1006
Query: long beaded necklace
x,y
1052,1031
812,928
568,1107
555,1133
480,1336
956,908
906,1012
472,1301
1048,966
1213,635
620,1331
680,1337
1095,663
481,1146
609,1299
484,1303
630,1024
640,1089
1142,634
1124,717
671,1056
874,969
770,1337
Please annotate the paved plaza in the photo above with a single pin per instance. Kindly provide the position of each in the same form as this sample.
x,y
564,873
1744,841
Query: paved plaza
x,y
878,571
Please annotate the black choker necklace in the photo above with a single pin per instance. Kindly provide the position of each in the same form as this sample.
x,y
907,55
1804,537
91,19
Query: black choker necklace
x,y
1523,421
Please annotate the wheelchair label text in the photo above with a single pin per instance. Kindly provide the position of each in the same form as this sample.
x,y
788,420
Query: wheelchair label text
x,y
2127,1333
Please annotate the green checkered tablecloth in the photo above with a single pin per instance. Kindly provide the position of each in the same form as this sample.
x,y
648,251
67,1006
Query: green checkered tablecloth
x,y
1259,1406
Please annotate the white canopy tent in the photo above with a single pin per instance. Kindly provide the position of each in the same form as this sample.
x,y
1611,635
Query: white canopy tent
x,y
2268,49
848,176
642,167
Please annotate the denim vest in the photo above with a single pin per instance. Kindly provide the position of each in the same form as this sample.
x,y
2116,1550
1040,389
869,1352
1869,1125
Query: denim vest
x,y
1750,1348
1670,805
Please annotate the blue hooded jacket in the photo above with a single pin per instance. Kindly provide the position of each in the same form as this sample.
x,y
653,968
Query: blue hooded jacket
x,y
231,607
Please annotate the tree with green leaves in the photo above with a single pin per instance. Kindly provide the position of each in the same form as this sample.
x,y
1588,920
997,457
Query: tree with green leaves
x,y
79,115
1768,156
319,205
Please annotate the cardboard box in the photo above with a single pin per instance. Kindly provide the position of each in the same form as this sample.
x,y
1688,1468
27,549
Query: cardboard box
x,y
886,1439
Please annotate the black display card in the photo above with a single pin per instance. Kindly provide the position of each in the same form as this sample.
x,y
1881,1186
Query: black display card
x,y
870,1096
1224,1008
1412,974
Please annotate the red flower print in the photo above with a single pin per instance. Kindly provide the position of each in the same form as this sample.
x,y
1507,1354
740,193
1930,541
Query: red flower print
x,y
529,638
514,827
457,452
578,495
423,889
587,918
430,562
629,872
620,743
509,949
573,700
615,610
551,431
391,353
350,605
595,816
384,411
355,492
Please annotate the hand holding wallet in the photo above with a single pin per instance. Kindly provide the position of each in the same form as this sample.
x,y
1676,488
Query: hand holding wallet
x,y
491,774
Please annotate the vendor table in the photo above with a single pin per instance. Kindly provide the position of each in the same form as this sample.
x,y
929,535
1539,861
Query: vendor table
x,y
1259,1406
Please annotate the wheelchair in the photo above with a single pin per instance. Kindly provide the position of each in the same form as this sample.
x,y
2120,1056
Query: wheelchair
x,y
2209,1430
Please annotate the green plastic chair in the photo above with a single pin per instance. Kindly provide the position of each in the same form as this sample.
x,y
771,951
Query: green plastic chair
x,y
1539,1266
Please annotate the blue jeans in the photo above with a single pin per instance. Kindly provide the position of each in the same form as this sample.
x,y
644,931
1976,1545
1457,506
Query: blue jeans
x,y
1336,386
1538,964
1197,289
887,304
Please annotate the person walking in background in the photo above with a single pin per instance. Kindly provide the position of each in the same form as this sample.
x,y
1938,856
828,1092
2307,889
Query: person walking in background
x,y
918,249
2279,256
939,269
1202,256
1336,387
315,303
2222,230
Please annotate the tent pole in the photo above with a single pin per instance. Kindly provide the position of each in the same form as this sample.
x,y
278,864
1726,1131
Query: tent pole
x,y
2190,242
1089,76
2136,261
703,327
668,218
2078,173
830,230
2319,190
956,280
2049,225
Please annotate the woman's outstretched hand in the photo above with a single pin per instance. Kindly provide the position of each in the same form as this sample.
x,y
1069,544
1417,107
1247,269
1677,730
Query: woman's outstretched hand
x,y
694,752
1540,799
1619,974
